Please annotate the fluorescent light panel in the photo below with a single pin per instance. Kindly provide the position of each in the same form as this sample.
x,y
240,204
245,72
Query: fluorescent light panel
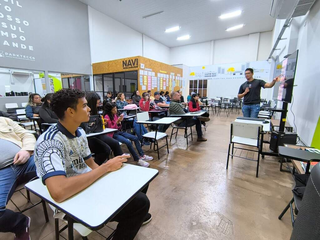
x,y
173,29
231,15
235,27
185,37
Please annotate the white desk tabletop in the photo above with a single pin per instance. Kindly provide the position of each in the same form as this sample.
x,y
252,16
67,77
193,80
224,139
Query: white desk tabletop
x,y
161,121
100,202
266,127
189,114
105,131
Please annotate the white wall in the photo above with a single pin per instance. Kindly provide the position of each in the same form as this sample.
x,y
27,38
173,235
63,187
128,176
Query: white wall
x,y
304,34
240,49
155,50
247,48
192,55
264,45
16,83
110,39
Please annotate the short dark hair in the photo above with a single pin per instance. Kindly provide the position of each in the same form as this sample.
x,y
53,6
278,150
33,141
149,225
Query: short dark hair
x,y
249,69
65,98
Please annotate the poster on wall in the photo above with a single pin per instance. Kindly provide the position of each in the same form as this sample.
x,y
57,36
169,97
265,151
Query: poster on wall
x,y
227,78
154,82
145,80
149,83
230,71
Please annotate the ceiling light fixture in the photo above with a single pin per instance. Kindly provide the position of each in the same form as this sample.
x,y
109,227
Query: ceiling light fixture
x,y
185,37
173,29
231,15
235,27
152,14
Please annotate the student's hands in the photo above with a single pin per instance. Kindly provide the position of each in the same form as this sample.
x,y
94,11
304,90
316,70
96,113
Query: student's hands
x,y
247,90
120,118
35,115
21,157
106,121
115,163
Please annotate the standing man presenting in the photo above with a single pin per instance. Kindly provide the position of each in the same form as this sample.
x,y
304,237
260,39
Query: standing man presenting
x,y
250,90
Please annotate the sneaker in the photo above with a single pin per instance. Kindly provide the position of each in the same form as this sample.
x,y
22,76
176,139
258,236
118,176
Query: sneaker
x,y
147,219
146,158
202,139
25,235
143,163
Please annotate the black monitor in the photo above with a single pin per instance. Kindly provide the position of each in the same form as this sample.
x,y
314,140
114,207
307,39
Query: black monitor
x,y
287,77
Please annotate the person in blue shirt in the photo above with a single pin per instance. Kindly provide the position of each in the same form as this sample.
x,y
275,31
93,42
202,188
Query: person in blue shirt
x,y
34,105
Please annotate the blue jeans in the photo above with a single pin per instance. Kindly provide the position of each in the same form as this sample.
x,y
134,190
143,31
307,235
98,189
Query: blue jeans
x,y
251,111
125,138
10,178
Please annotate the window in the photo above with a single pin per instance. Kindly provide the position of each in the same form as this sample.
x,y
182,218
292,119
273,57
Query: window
x,y
199,86
126,82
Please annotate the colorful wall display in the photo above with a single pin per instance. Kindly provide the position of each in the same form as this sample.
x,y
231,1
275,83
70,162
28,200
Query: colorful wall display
x,y
152,75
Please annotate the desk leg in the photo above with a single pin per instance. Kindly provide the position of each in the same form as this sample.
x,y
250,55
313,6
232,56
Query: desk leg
x,y
70,228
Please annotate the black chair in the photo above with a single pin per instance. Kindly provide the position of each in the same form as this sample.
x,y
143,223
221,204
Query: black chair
x,y
175,130
307,223
300,182
20,187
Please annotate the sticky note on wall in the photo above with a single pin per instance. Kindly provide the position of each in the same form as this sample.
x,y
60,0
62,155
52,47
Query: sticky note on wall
x,y
316,137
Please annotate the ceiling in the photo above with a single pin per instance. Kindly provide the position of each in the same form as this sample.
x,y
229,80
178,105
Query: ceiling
x,y
198,18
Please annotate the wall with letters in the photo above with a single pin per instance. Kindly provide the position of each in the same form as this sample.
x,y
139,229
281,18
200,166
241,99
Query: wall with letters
x,y
48,35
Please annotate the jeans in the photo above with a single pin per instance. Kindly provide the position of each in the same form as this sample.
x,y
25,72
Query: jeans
x,y
139,129
131,217
125,138
10,178
100,149
113,144
251,111
192,122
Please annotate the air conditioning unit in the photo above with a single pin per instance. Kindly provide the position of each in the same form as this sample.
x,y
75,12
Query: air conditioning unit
x,y
284,9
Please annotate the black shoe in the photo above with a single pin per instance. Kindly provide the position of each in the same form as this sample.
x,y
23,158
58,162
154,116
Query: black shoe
x,y
202,139
147,219
25,235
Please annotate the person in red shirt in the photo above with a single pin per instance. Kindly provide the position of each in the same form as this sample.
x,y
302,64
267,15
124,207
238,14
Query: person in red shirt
x,y
194,105
144,103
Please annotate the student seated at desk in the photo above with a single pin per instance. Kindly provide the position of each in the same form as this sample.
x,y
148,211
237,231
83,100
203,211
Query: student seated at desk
x,y
176,108
34,105
163,97
16,163
121,101
63,160
102,144
159,101
194,106
113,121
45,113
139,130
145,102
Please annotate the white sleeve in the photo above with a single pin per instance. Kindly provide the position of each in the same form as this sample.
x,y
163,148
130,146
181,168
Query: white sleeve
x,y
49,159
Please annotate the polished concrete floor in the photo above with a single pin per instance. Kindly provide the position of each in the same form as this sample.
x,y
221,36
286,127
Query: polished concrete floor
x,y
195,197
